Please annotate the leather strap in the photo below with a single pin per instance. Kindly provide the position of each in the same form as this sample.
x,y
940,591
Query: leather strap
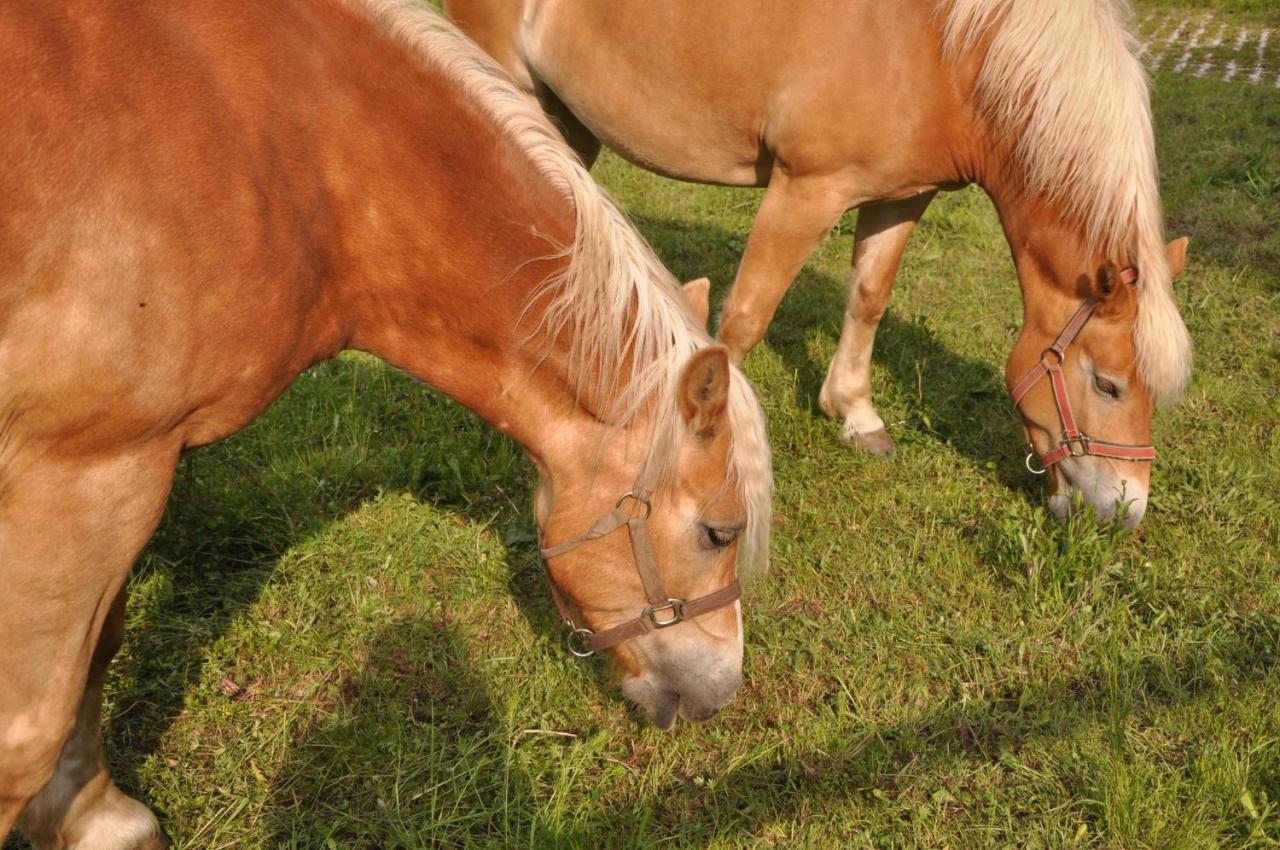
x,y
652,619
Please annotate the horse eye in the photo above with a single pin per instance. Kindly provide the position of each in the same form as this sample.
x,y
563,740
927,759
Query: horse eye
x,y
1106,387
718,538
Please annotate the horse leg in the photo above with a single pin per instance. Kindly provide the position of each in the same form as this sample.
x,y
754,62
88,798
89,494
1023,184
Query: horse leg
x,y
81,806
796,213
879,239
68,535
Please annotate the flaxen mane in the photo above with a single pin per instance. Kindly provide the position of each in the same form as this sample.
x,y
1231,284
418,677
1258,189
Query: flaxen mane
x,y
615,301
1061,78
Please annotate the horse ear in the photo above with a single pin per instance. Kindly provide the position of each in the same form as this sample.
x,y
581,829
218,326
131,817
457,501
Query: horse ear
x,y
703,391
1176,253
698,294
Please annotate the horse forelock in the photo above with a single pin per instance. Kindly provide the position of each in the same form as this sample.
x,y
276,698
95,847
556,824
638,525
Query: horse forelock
x,y
614,301
1062,81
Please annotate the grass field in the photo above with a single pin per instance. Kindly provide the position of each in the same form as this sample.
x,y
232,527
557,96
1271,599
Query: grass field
x,y
341,636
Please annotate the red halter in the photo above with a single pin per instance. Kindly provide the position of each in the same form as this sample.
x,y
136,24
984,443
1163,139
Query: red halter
x,y
1074,442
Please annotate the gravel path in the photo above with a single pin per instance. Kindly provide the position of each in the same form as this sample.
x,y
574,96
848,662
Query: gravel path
x,y
1201,46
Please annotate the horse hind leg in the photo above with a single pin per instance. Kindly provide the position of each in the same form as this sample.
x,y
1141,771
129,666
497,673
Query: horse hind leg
x,y
879,240
68,535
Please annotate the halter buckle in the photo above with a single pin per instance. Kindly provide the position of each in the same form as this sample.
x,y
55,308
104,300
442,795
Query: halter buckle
x,y
575,640
1027,463
675,606
1081,441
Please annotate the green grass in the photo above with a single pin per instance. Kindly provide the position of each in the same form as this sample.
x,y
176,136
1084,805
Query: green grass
x,y
932,663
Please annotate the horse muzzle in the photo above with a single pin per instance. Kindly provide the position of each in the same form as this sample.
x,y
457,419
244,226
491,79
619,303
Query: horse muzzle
x,y
695,697
1102,486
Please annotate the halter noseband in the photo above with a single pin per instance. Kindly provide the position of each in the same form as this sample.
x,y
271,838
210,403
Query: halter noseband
x,y
1074,442
663,610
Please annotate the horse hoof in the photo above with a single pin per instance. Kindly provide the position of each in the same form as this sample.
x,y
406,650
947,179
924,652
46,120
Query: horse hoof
x,y
877,443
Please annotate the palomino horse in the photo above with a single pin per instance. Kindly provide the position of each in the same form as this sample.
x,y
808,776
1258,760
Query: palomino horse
x,y
856,103
201,199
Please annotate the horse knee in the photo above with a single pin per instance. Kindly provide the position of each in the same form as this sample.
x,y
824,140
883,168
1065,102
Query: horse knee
x,y
29,750
868,298
741,328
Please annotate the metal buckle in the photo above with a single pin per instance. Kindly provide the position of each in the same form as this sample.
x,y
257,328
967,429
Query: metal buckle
x,y
631,494
1032,454
576,641
677,613
1082,441
1059,356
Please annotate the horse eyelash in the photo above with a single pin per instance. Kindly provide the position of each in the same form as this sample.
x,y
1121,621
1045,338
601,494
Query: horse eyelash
x,y
718,537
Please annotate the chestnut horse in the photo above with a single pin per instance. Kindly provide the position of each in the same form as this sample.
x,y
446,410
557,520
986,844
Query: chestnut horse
x,y
202,198
858,103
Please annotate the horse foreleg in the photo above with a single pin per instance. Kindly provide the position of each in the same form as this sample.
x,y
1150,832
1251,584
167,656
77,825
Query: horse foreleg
x,y
879,240
796,213
68,535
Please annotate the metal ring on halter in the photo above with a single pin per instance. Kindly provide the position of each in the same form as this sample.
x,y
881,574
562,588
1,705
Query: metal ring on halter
x,y
576,642
676,607
1060,356
1030,468
632,494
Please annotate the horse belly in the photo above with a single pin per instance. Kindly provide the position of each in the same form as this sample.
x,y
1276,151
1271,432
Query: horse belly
x,y
695,91
653,114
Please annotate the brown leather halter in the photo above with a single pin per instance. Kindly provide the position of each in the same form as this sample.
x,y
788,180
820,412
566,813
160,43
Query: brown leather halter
x,y
1074,442
663,611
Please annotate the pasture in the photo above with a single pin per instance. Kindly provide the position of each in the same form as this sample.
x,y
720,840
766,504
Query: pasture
x,y
342,636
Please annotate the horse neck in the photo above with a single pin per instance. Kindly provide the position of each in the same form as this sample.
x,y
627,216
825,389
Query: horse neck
x,y
445,276
1055,268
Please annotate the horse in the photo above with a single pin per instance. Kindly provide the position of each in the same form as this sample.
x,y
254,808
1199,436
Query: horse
x,y
201,199
878,106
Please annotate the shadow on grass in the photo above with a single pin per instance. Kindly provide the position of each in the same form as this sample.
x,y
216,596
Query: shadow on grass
x,y
417,754
345,432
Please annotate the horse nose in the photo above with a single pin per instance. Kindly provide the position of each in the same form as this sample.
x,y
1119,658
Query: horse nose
x,y
666,695
704,699
1133,510
1112,498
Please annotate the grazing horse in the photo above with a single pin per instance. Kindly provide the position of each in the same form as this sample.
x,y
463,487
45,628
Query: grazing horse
x,y
201,198
857,103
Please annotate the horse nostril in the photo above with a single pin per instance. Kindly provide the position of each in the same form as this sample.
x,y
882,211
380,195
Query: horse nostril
x,y
666,710
698,714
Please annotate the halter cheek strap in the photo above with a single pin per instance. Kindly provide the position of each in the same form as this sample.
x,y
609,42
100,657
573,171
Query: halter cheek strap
x,y
663,610
1074,442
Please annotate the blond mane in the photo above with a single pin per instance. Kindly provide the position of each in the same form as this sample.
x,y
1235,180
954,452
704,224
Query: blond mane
x,y
615,300
1061,78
